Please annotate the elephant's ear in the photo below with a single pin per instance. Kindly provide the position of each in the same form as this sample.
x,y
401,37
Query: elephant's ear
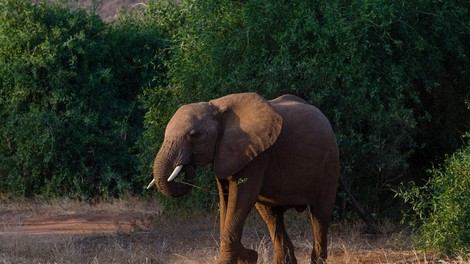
x,y
250,125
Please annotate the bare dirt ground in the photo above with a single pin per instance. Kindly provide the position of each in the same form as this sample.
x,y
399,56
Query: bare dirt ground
x,y
136,231
68,217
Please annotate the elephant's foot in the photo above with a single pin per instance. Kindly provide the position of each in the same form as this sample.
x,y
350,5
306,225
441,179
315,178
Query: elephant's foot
x,y
247,256
319,261
315,259
284,257
225,260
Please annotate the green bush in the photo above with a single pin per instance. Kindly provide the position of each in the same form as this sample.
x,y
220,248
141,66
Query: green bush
x,y
441,208
160,103
68,89
377,68
392,76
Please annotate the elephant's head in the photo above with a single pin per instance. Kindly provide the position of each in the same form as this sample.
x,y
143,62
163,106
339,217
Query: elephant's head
x,y
228,132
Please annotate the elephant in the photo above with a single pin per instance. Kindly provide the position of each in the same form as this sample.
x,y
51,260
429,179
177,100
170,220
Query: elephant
x,y
273,155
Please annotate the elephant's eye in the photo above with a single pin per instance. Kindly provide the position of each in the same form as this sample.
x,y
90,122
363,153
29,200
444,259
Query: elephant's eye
x,y
193,133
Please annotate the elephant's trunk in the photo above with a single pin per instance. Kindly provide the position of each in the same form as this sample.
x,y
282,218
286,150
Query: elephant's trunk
x,y
165,163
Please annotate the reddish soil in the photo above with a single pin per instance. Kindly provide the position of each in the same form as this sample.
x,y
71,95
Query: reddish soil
x,y
107,232
76,223
71,218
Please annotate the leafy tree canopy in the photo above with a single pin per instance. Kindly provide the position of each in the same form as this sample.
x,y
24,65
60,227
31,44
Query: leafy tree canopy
x,y
68,89
391,75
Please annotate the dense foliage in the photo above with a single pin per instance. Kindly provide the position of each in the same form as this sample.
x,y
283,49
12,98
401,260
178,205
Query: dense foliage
x,y
76,92
392,76
441,207
68,89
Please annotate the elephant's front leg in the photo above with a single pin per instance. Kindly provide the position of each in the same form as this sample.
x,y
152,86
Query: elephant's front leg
x,y
238,196
234,209
245,255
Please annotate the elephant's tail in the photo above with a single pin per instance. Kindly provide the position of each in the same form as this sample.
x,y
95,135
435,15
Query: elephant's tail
x,y
366,217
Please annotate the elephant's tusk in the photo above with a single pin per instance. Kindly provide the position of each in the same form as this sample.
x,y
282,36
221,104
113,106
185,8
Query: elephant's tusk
x,y
151,184
175,173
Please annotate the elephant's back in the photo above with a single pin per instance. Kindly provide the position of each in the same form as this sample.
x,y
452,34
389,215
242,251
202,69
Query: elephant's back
x,y
302,120
306,148
304,158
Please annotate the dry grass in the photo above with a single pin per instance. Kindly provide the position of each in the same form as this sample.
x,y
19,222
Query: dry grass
x,y
183,237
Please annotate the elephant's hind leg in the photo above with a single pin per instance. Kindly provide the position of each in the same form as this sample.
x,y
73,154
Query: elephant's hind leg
x,y
283,247
320,222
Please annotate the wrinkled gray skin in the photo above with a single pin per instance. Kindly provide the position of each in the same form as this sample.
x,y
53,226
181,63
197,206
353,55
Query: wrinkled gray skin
x,y
273,155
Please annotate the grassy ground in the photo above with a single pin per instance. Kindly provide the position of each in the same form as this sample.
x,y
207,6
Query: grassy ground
x,y
142,234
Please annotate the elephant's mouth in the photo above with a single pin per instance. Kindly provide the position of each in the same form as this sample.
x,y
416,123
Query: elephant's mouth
x,y
189,174
187,170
